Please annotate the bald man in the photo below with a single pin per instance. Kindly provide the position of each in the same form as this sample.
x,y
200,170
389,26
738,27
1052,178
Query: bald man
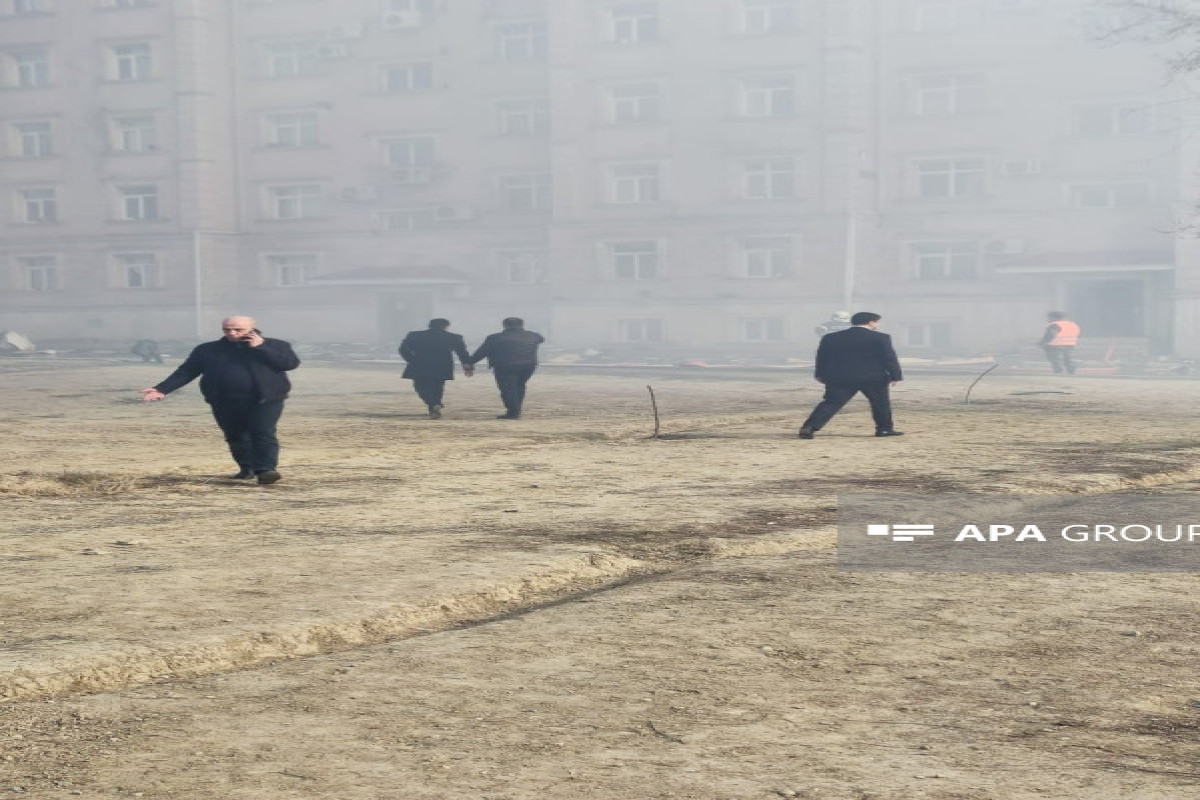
x,y
245,383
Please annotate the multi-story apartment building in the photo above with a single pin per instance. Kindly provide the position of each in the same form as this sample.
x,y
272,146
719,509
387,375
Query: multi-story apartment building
x,y
656,174
115,134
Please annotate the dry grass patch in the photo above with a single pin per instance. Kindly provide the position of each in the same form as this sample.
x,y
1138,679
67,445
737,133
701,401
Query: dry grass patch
x,y
83,483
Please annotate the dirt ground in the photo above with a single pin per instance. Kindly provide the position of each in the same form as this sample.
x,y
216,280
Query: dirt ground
x,y
562,607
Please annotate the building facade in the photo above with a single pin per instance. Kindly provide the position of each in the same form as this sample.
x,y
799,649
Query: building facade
x,y
654,176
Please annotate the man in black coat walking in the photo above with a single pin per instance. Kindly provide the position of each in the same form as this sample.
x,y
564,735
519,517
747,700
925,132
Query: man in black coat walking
x,y
244,381
858,359
429,357
512,354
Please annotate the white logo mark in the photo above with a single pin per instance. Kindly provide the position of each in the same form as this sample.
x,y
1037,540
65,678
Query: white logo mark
x,y
900,533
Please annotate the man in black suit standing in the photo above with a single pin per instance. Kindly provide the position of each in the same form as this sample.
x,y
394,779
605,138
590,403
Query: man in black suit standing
x,y
430,362
858,359
512,354
243,377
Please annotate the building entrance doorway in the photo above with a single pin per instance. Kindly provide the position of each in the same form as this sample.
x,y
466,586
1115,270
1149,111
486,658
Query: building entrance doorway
x,y
1108,307
401,312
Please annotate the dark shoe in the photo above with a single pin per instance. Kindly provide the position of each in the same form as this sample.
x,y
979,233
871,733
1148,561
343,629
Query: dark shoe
x,y
889,433
508,416
806,433
267,477
435,412
243,474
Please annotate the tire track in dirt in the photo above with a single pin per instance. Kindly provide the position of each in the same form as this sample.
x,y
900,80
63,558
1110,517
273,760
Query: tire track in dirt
x,y
566,580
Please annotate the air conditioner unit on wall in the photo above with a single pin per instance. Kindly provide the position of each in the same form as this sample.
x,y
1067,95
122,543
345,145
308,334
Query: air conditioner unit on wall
x,y
1023,166
400,20
412,175
453,213
332,50
359,194
346,30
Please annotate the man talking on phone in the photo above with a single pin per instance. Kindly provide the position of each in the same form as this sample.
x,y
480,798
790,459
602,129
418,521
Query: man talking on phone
x,y
243,377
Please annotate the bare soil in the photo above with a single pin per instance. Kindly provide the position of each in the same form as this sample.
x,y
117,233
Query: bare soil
x,y
563,607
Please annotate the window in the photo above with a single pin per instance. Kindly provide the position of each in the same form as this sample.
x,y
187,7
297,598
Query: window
x,y
641,330
136,270
411,159
523,117
409,151
40,272
934,16
768,16
406,14
292,130
34,139
131,62
530,192
413,219
1110,195
521,41
135,134
768,178
767,256
635,183
768,96
294,202
291,59
634,261
38,205
634,102
946,260
631,23
408,77
31,6
292,269
408,6
950,177
29,69
1102,121
928,334
762,329
950,93
522,266
139,202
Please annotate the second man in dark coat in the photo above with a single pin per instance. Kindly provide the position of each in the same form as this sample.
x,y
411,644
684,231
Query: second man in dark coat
x,y
430,362
512,354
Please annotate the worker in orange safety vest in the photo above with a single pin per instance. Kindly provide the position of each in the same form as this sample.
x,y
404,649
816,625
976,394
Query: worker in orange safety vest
x,y
1059,342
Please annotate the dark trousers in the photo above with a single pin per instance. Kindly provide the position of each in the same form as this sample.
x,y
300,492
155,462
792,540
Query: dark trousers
x,y
1061,358
511,383
430,390
837,396
249,428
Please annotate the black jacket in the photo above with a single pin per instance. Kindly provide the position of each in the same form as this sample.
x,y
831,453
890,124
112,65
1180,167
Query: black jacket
x,y
512,347
856,356
236,371
430,354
